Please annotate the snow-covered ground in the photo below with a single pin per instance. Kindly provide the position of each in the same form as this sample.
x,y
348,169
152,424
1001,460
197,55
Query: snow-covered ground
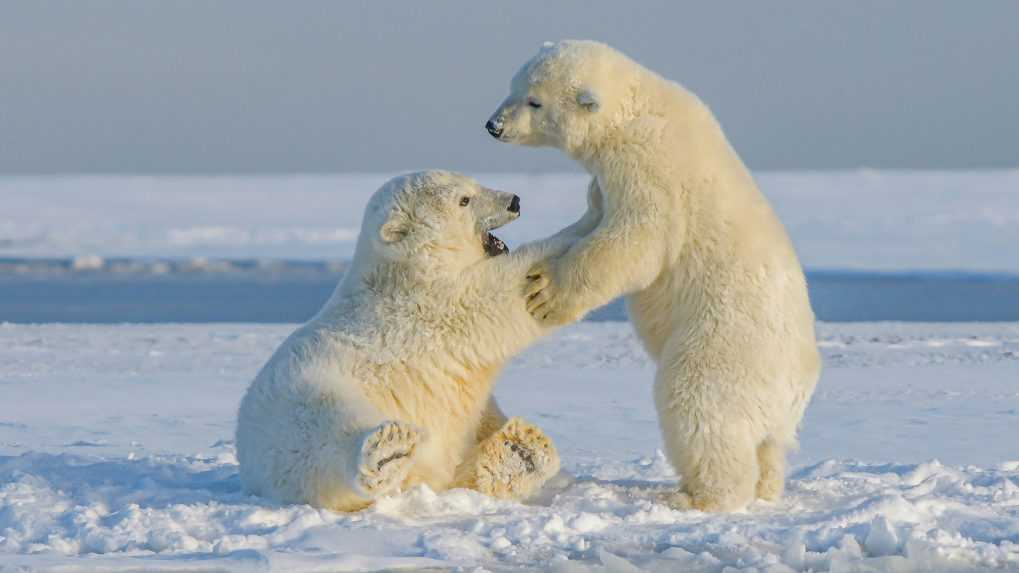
x,y
116,453
116,441
870,220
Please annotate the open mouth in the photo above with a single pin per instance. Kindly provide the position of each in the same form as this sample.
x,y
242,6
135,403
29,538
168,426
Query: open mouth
x,y
494,246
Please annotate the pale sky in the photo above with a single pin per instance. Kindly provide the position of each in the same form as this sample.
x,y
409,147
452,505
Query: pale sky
x,y
241,87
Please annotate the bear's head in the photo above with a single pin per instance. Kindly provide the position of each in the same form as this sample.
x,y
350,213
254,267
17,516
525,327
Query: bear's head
x,y
437,220
566,96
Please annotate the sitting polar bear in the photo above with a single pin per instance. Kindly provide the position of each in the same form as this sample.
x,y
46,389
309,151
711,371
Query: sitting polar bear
x,y
389,384
716,292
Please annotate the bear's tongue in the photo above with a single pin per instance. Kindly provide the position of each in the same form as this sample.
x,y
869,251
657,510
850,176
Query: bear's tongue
x,y
494,246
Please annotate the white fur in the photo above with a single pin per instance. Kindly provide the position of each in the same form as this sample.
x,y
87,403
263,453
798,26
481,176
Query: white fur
x,y
388,385
714,287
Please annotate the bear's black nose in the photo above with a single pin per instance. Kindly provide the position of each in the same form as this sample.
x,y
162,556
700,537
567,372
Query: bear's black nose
x,y
495,130
514,204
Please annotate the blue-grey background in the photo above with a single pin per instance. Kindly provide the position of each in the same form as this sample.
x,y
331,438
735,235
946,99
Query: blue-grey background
x,y
293,292
190,87
254,86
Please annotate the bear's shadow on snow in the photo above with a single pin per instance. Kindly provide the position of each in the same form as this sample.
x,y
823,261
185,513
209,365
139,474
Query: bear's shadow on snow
x,y
153,482
158,482
630,489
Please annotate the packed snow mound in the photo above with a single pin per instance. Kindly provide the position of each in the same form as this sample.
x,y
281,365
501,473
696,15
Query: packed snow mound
x,y
165,511
116,453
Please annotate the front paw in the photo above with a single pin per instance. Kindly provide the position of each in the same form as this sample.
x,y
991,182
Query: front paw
x,y
545,300
554,314
536,282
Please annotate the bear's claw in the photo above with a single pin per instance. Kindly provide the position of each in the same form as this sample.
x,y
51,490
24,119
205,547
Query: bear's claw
x,y
536,283
544,299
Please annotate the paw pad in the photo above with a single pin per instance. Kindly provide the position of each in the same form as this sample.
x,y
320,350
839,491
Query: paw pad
x,y
516,461
386,456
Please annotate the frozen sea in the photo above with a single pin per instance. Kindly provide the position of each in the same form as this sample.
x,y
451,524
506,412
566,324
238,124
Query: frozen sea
x,y
904,246
135,310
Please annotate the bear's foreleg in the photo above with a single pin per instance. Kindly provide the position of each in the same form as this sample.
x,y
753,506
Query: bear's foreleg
x,y
624,254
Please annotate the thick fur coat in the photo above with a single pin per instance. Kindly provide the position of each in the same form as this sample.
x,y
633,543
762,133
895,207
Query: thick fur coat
x,y
390,384
714,287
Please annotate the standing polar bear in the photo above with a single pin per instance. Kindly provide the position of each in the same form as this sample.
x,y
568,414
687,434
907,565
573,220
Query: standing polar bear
x,y
675,221
389,385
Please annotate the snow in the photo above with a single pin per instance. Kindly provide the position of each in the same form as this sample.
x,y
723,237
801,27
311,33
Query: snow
x,y
116,441
863,220
116,453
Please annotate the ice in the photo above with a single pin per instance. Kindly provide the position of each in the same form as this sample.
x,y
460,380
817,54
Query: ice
x,y
863,219
116,453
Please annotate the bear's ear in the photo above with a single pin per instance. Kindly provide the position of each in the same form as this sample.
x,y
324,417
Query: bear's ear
x,y
588,99
396,227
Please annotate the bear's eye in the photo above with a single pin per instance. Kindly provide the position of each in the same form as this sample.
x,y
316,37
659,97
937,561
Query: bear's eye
x,y
464,201
534,103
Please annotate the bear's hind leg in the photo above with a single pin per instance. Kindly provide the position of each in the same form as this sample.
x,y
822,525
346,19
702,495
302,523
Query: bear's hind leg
x,y
385,457
706,424
718,472
492,419
512,463
771,459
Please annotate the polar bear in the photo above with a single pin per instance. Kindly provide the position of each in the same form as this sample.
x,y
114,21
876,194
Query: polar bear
x,y
389,384
675,222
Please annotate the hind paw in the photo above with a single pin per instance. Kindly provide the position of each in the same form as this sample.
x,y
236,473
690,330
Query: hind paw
x,y
515,461
385,457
